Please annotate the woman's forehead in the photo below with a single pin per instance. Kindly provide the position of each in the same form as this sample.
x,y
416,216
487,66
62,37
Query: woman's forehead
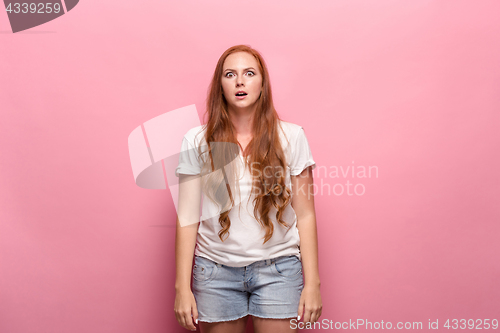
x,y
240,60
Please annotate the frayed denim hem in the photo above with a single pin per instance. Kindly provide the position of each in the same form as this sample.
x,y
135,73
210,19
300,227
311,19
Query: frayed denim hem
x,y
223,319
276,316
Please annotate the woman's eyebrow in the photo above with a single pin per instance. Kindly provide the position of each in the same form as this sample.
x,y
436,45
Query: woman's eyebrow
x,y
229,69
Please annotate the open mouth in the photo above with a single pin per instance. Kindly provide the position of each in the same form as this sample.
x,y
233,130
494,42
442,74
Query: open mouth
x,y
241,94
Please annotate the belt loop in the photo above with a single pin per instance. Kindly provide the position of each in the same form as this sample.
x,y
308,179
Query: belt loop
x,y
268,262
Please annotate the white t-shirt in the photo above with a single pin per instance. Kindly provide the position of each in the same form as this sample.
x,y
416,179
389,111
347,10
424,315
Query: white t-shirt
x,y
244,244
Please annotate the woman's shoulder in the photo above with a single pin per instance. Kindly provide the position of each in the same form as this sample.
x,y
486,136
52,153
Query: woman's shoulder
x,y
195,134
289,133
195,130
290,129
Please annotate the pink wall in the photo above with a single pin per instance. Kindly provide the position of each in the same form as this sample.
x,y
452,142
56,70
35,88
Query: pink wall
x,y
410,87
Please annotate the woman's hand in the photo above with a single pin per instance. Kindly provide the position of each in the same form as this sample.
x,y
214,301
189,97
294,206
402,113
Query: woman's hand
x,y
311,300
185,309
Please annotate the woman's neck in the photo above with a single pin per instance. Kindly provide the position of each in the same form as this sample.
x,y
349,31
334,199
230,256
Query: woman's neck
x,y
242,121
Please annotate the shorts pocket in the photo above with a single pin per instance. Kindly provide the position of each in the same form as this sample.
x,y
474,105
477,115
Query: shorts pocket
x,y
204,269
289,267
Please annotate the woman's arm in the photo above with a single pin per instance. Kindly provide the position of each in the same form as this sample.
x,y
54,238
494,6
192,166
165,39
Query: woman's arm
x,y
185,242
303,205
188,216
188,219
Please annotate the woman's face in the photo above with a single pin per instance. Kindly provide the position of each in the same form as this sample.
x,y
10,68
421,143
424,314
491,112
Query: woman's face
x,y
240,73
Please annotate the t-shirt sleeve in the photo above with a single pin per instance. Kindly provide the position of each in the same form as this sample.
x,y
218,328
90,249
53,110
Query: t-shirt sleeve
x,y
301,154
189,162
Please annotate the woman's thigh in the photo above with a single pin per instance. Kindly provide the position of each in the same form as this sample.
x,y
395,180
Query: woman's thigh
x,y
264,325
234,326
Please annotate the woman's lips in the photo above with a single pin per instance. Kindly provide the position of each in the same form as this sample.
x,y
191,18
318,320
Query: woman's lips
x,y
241,97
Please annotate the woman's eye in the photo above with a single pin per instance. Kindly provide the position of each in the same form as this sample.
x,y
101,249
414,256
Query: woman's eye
x,y
229,74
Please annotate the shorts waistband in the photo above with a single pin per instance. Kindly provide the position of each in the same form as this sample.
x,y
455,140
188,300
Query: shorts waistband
x,y
265,262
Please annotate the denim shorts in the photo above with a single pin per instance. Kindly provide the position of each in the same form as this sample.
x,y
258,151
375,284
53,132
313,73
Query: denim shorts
x,y
269,288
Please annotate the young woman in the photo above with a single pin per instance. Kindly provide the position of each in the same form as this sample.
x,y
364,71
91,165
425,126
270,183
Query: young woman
x,y
255,250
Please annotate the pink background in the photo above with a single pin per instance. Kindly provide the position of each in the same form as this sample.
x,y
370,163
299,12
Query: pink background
x,y
411,87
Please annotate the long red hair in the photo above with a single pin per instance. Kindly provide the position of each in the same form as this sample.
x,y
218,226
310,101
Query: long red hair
x,y
263,153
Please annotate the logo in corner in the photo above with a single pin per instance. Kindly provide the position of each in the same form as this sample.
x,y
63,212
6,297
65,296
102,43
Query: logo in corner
x,y
26,14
